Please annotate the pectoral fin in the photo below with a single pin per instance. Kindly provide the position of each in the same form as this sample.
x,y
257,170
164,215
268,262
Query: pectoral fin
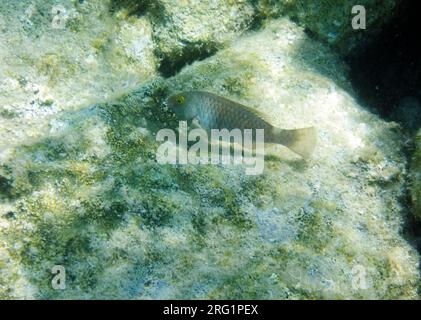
x,y
195,123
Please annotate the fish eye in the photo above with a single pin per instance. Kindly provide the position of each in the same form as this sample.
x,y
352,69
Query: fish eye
x,y
180,99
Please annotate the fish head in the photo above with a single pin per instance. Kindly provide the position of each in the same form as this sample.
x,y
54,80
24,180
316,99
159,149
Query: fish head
x,y
180,104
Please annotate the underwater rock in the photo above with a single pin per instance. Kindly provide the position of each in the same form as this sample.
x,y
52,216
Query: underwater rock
x,y
407,112
60,57
90,196
191,30
416,177
186,31
330,21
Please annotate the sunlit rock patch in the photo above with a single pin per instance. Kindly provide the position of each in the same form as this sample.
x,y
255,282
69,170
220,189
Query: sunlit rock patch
x,y
61,56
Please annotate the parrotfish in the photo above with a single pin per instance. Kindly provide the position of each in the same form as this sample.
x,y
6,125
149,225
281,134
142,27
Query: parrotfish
x,y
209,111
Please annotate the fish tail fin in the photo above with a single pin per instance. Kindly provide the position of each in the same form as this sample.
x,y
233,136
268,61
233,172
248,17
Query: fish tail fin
x,y
301,141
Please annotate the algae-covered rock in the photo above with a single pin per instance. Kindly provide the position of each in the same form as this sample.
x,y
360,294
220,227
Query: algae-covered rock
x,y
416,177
60,55
185,31
91,197
190,30
331,21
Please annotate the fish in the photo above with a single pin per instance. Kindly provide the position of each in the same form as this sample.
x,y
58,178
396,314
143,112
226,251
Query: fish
x,y
210,111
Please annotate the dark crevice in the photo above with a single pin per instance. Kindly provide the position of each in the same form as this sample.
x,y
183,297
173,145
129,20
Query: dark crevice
x,y
386,76
171,65
5,187
132,7
387,73
264,11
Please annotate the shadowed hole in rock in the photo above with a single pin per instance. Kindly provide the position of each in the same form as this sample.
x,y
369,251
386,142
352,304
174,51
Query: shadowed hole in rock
x,y
172,64
5,187
387,73
132,7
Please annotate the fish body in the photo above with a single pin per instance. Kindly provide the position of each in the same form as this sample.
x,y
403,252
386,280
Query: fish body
x,y
215,112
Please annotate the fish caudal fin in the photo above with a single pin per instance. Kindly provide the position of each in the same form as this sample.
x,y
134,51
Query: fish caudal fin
x,y
301,141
